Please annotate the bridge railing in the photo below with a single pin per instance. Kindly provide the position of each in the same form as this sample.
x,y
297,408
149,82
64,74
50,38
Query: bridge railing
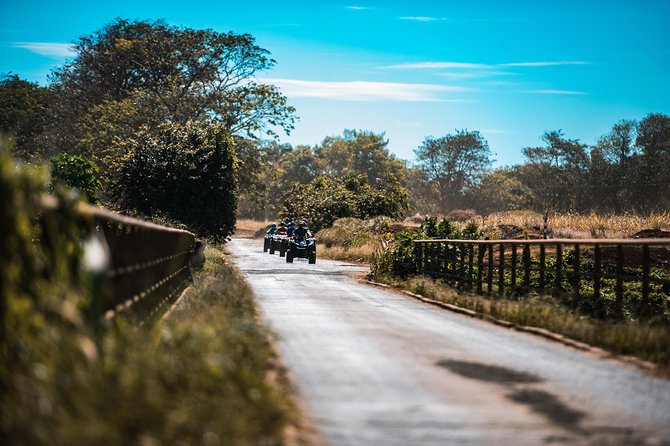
x,y
599,276
141,267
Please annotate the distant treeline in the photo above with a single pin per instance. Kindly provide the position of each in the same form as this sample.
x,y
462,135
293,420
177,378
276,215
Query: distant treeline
x,y
170,121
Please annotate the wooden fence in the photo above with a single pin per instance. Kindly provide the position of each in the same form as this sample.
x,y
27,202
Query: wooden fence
x,y
601,277
140,267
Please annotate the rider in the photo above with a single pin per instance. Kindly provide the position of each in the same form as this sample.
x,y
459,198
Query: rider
x,y
302,230
290,228
272,229
282,229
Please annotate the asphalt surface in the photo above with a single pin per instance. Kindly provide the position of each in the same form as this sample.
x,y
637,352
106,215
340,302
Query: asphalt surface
x,y
375,367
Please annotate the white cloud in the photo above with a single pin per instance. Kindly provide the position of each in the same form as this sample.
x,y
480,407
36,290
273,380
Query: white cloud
x,y
421,18
544,64
359,8
366,91
48,49
560,92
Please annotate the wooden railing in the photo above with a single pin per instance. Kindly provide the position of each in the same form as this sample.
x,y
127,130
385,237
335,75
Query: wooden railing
x,y
140,267
600,277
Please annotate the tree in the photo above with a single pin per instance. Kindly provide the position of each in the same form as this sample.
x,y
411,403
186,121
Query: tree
x,y
328,198
556,172
178,75
185,172
23,108
612,168
652,183
501,190
453,164
359,151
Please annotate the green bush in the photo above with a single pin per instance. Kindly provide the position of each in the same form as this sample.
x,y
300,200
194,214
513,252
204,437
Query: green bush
x,y
396,256
77,172
185,172
326,199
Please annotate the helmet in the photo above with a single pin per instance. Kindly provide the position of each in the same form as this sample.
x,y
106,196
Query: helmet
x,y
291,224
273,225
282,223
302,223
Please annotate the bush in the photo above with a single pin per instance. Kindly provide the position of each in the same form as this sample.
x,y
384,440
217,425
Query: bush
x,y
396,256
76,172
327,199
186,172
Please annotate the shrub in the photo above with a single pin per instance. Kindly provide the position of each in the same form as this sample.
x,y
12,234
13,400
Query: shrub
x,y
76,172
327,198
186,172
396,256
461,215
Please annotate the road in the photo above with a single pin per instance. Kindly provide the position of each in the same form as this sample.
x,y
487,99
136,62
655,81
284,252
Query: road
x,y
375,367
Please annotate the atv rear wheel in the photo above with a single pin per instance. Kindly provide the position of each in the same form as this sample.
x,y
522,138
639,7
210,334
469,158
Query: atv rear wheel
x,y
289,257
312,257
265,245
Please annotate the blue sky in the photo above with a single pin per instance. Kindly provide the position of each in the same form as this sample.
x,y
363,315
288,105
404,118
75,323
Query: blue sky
x,y
510,69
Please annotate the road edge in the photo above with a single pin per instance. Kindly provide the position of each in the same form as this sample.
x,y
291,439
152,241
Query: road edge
x,y
645,366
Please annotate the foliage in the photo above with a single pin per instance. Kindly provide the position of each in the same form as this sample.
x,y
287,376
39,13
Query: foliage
x,y
76,172
396,256
198,377
23,114
171,74
185,172
325,199
454,164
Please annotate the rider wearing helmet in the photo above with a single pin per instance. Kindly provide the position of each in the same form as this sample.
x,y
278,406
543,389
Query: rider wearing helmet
x,y
272,229
290,228
302,230
282,229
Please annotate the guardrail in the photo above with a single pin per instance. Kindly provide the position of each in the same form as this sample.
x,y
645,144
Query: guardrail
x,y
600,277
140,268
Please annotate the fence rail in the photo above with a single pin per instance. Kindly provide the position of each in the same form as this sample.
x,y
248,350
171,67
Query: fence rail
x,y
141,267
600,277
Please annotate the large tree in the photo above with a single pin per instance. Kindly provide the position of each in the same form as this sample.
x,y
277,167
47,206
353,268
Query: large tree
x,y
159,73
23,107
556,171
359,151
454,164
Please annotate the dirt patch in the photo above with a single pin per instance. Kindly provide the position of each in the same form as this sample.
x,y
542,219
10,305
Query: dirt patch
x,y
549,406
488,373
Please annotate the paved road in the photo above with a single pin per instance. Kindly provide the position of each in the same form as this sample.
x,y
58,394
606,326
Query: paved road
x,y
378,368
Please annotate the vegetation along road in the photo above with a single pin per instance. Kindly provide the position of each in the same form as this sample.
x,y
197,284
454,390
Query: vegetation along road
x,y
375,367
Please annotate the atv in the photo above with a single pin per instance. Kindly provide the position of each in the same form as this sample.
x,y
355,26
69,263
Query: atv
x,y
279,242
267,241
304,248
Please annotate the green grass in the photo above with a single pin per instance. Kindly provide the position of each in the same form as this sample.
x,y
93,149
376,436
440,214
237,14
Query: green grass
x,y
646,341
198,377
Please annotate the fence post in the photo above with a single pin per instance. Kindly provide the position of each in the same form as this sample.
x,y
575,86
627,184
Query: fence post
x,y
514,262
559,265
598,302
480,264
462,266
577,280
471,249
526,266
543,265
501,270
619,281
645,279
489,277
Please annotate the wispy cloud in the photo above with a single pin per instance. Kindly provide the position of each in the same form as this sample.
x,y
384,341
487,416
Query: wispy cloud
x,y
559,92
422,18
544,64
359,8
366,91
48,49
437,65
468,65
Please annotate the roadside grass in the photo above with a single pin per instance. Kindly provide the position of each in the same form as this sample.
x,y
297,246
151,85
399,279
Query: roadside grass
x,y
646,341
200,376
356,254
